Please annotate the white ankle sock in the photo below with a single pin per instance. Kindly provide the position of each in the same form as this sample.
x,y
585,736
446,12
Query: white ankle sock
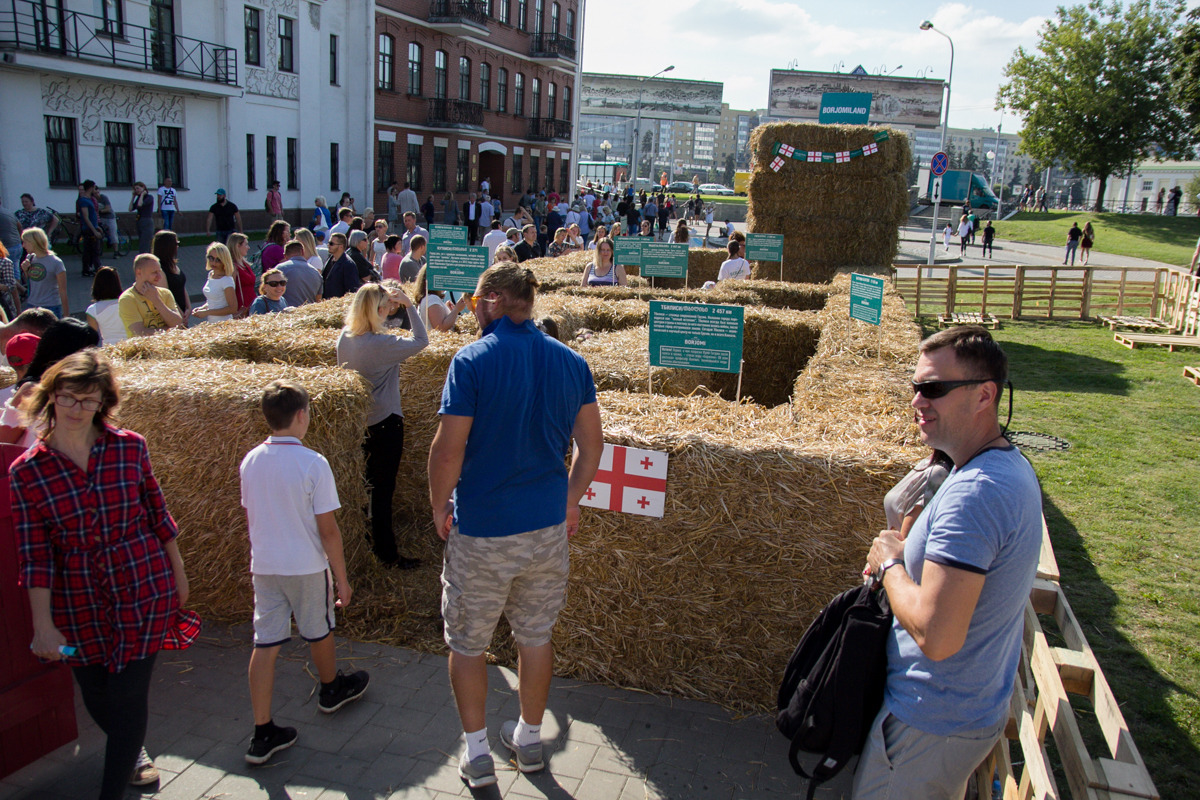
x,y
526,734
477,744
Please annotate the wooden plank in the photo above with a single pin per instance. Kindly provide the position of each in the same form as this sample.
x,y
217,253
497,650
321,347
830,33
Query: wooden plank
x,y
1171,342
1044,596
1075,670
1125,341
1192,374
1126,780
1047,564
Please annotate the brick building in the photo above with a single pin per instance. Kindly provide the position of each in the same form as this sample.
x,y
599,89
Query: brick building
x,y
467,90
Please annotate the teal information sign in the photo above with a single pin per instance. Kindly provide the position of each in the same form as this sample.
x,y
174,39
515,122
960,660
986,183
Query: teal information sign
x,y
664,260
701,336
866,298
447,234
455,267
628,251
845,108
764,247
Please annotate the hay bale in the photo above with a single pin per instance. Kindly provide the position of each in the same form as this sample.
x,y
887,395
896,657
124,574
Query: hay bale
x,y
200,417
744,293
895,155
596,313
8,376
620,360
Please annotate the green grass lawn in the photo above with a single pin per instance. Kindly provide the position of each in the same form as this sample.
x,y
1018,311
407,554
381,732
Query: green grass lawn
x,y
1121,506
1168,239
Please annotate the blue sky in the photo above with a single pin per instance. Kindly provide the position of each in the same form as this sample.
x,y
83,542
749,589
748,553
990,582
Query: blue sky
x,y
738,42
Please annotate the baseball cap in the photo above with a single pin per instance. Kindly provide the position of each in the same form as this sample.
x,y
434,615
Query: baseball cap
x,y
220,191
20,349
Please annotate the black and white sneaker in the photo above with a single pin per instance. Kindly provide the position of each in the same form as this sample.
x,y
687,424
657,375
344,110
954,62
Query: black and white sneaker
x,y
262,748
344,689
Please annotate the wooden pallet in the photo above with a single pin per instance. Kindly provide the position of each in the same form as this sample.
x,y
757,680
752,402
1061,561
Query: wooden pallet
x,y
1192,374
1143,323
1132,340
969,318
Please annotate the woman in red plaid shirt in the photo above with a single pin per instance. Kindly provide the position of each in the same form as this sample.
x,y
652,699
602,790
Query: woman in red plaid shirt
x,y
98,555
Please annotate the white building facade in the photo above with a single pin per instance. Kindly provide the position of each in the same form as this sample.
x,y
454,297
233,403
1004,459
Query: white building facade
x,y
213,93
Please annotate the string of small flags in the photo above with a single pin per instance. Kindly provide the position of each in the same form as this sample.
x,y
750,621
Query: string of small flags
x,y
783,152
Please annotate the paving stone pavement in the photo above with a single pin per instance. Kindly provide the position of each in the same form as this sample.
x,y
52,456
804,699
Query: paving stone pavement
x,y
403,739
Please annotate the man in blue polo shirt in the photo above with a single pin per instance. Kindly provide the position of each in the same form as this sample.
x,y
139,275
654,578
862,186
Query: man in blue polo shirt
x,y
506,504
957,584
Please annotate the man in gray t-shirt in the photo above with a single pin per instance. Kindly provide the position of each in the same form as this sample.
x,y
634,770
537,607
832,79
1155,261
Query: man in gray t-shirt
x,y
957,584
304,283
411,265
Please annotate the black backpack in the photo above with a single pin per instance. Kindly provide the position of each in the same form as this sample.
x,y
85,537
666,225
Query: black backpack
x,y
833,685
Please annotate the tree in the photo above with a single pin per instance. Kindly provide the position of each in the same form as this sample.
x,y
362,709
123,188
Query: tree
x,y
730,168
1191,191
971,161
1095,96
1034,177
951,155
1185,71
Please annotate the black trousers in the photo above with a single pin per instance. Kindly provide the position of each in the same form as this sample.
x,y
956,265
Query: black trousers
x,y
382,447
118,702
89,250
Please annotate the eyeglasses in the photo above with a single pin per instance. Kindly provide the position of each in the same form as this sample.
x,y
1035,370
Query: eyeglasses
x,y
66,401
212,258
932,390
276,283
472,301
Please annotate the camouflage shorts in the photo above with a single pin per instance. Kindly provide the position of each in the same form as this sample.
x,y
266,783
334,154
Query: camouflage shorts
x,y
524,576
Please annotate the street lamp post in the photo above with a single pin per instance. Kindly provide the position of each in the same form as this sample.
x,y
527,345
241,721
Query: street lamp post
x,y
928,26
605,146
637,126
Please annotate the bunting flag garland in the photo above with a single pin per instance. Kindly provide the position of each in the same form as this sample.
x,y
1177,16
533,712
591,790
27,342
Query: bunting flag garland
x,y
782,152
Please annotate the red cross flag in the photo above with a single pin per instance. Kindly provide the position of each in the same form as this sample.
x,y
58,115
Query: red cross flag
x,y
842,156
786,150
814,155
777,163
868,149
629,480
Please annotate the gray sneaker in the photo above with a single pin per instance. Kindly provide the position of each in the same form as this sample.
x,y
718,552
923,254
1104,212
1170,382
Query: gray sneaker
x,y
529,757
477,773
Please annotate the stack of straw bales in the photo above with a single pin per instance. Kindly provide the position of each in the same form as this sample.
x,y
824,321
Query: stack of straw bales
x,y
802,296
831,215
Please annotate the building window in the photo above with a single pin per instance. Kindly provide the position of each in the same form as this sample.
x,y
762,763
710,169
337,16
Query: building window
x,y
1147,186
566,176
414,167
287,42
521,14
414,68
464,78
551,100
251,177
538,8
534,169
506,11
439,169
462,169
485,85
519,94
566,103
554,17
334,179
333,65
118,154
516,175
502,90
293,177
385,166
439,74
170,156
536,86
272,170
387,63
570,32
253,36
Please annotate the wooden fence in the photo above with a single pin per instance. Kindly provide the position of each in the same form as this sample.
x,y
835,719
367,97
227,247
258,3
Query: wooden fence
x,y
1024,292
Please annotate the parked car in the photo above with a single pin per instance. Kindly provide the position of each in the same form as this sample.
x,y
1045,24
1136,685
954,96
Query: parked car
x,y
680,186
715,188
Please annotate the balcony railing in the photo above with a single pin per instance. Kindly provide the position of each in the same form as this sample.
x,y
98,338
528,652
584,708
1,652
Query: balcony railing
x,y
552,45
545,129
446,113
475,11
40,27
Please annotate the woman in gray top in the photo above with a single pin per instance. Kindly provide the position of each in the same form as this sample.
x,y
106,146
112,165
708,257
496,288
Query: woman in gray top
x,y
366,345
46,273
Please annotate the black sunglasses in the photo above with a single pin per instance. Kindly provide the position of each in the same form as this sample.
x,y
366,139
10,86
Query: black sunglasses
x,y
932,390
276,283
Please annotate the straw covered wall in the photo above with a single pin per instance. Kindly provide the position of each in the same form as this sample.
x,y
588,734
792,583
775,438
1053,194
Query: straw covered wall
x,y
831,215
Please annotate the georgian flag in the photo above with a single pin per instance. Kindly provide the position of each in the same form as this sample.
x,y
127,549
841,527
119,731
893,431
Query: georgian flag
x,y
777,163
629,480
842,156
814,155
868,149
786,150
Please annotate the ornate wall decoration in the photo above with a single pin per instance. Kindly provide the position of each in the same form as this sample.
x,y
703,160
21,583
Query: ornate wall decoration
x,y
268,80
314,14
95,102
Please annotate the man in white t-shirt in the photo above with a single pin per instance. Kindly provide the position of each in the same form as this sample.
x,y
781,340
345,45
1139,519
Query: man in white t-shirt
x,y
343,223
408,201
735,267
493,239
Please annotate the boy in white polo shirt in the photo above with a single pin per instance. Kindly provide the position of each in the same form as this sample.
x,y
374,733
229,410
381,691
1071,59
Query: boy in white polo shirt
x,y
295,545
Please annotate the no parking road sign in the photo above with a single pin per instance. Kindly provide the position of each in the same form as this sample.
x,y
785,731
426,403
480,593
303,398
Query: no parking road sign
x,y
939,163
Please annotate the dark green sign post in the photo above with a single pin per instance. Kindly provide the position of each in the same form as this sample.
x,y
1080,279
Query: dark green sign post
x,y
866,303
845,108
664,260
765,247
455,267
447,234
700,336
628,251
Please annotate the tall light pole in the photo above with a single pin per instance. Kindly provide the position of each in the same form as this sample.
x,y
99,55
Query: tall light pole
x,y
928,26
637,126
605,146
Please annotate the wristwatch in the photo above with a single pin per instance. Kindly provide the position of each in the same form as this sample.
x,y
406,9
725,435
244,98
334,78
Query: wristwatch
x,y
885,566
